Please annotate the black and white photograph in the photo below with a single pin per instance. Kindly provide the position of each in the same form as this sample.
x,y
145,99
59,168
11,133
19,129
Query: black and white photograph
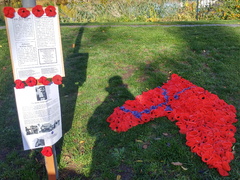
x,y
41,93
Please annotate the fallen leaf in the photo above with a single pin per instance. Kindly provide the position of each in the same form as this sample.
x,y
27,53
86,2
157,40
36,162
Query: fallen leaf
x,y
81,142
139,161
177,163
139,141
145,146
154,126
165,134
118,177
184,168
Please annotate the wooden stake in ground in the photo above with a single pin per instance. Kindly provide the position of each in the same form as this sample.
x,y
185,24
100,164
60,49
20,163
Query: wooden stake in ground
x,y
51,165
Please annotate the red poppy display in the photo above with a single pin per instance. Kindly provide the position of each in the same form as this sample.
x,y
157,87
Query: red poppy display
x,y
57,79
202,116
47,151
19,84
43,80
38,11
31,81
50,11
9,12
23,12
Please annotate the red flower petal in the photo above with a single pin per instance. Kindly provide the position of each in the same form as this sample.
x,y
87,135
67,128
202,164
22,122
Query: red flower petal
x,y
223,172
43,80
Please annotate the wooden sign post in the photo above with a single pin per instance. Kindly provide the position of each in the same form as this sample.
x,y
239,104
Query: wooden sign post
x,y
51,165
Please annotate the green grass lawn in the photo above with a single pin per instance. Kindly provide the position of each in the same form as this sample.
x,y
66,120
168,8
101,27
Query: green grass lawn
x,y
108,66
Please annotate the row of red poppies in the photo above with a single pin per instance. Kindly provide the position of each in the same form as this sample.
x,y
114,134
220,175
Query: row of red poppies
x,y
31,81
38,11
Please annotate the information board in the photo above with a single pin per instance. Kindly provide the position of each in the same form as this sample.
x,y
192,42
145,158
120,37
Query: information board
x,y
35,45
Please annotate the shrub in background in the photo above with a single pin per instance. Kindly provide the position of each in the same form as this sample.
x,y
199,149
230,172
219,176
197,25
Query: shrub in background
x,y
75,11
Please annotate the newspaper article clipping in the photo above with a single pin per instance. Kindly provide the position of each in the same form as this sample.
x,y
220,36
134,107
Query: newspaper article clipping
x,y
36,48
39,115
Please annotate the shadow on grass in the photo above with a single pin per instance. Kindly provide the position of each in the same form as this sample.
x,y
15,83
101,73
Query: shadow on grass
x,y
75,69
107,140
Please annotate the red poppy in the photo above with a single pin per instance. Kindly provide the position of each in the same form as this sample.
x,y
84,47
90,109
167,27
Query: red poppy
x,y
43,80
31,81
8,12
206,157
23,12
57,79
19,84
47,151
133,105
145,117
223,172
38,11
229,155
50,11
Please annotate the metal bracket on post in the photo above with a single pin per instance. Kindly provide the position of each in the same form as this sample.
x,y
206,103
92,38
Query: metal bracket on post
x,y
197,10
28,3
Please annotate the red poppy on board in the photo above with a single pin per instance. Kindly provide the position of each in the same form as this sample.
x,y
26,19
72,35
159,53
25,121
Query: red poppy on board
x,y
47,151
31,81
19,84
43,80
23,12
38,11
50,11
57,79
8,12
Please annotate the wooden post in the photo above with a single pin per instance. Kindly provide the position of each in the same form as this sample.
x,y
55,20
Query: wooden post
x,y
51,165
51,162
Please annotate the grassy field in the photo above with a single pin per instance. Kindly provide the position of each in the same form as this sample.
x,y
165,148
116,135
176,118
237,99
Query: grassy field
x,y
106,67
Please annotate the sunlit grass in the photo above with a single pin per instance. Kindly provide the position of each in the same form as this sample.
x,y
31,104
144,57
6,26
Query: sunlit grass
x,y
108,66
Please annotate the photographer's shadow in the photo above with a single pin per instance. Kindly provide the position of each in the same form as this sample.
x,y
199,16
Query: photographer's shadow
x,y
97,126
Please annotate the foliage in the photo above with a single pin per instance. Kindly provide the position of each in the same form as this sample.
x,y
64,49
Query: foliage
x,y
225,9
146,11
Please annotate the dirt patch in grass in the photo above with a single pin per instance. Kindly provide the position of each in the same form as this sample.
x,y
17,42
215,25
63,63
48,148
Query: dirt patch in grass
x,y
70,173
129,72
125,172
